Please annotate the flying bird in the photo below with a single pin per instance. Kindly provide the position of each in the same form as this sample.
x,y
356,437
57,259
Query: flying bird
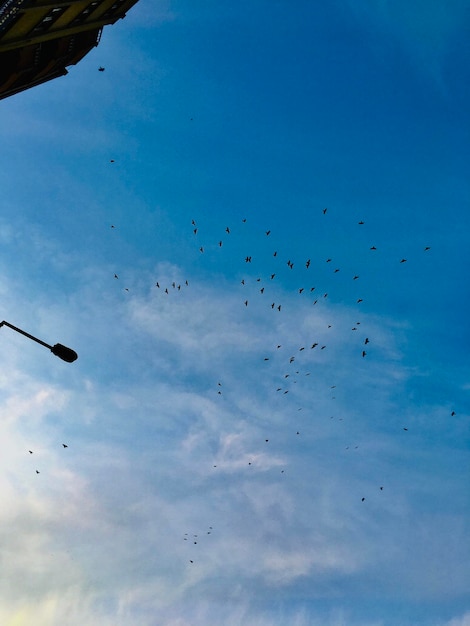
x,y
366,340
65,445
268,232
427,248
373,248
364,353
116,276
307,264
361,222
403,261
324,211
101,69
227,230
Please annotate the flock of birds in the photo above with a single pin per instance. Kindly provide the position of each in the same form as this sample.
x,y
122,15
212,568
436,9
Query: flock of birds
x,y
292,370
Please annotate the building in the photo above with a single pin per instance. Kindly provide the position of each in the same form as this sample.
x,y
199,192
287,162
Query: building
x,y
40,38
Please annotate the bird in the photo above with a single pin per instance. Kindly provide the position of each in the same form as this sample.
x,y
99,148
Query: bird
x,y
359,300
65,445
336,270
101,69
405,428
324,211
453,413
268,232
273,305
193,222
279,308
116,276
301,289
195,231
246,302
248,259
157,285
201,249
242,281
362,499
373,248
30,451
112,161
244,220
403,261
112,226
364,353
220,244
37,471
361,222
314,345
328,260
272,276
355,277
262,290
427,248
366,340
227,230
307,264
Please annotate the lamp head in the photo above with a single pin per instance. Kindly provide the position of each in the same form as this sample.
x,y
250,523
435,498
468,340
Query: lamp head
x,y
64,353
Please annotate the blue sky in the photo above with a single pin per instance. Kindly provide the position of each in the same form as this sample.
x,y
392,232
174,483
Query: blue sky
x,y
311,503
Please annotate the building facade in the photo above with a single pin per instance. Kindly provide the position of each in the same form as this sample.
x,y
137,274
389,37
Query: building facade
x,y
40,38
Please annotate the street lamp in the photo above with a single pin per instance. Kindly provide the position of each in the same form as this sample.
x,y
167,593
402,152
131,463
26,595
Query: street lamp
x,y
64,353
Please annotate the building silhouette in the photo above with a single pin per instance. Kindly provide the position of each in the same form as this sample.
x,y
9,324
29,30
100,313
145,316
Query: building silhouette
x,y
40,38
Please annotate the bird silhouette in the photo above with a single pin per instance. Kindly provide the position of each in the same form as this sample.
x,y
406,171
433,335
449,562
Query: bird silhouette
x,y
364,353
403,261
324,211
101,69
116,276
65,445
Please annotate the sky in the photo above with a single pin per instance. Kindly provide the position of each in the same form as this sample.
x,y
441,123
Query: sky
x,y
253,228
